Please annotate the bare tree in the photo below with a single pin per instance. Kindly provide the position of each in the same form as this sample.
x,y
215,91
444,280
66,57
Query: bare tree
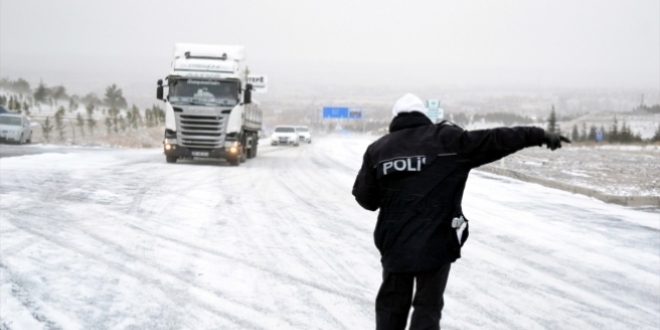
x,y
59,123
80,122
552,121
59,93
108,124
114,97
46,128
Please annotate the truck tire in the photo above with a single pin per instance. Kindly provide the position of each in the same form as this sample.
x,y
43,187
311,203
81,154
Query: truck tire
x,y
248,150
254,149
252,152
170,159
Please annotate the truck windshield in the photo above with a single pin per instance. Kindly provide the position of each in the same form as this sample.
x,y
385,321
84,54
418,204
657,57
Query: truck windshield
x,y
203,91
13,121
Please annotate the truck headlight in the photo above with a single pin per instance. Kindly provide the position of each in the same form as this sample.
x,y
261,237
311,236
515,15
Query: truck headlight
x,y
229,144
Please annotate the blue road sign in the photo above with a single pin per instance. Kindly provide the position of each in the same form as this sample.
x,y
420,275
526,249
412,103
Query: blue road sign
x,y
335,112
355,113
342,113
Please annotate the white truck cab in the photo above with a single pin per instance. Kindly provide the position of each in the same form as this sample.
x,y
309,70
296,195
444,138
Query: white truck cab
x,y
209,110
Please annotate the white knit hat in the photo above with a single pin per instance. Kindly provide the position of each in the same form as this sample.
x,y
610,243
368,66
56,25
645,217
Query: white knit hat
x,y
409,103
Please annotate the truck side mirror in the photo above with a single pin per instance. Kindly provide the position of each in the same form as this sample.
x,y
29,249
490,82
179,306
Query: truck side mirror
x,y
248,94
159,90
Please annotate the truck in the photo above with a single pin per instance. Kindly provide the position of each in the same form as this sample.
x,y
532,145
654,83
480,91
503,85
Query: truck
x,y
209,110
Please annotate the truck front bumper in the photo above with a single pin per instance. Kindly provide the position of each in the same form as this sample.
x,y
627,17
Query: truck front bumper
x,y
183,152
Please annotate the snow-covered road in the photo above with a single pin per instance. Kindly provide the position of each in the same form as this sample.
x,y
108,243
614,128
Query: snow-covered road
x,y
118,239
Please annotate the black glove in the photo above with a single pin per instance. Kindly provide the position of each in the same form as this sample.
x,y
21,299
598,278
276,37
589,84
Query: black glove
x,y
554,140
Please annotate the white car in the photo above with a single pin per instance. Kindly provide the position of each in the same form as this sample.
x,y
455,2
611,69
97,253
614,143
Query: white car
x,y
15,128
304,134
285,135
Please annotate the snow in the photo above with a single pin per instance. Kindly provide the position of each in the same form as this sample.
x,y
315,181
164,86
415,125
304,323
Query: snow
x,y
648,148
575,174
618,170
110,238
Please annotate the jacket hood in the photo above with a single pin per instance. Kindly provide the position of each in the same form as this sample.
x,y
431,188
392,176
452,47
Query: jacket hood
x,y
409,120
408,103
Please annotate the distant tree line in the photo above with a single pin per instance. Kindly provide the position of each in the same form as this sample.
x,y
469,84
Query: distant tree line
x,y
613,133
655,109
118,117
16,103
19,86
43,94
116,121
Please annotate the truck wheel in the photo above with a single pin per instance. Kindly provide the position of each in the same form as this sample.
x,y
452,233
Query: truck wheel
x,y
254,149
252,152
170,159
249,150
243,156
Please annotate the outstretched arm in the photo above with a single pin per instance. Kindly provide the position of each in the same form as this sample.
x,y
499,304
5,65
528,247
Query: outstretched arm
x,y
486,146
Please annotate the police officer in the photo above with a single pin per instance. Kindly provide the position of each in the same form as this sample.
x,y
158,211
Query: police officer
x,y
416,176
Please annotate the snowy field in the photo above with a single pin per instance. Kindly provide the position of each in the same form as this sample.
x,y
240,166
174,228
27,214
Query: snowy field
x,y
118,239
619,170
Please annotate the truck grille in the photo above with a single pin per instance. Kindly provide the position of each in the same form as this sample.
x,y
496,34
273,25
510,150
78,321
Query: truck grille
x,y
201,131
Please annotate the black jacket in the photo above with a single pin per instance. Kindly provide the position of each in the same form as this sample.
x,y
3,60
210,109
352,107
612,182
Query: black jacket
x,y
416,176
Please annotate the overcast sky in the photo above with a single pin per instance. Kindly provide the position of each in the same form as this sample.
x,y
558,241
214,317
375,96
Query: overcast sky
x,y
612,44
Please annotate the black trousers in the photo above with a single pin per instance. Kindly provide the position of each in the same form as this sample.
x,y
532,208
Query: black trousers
x,y
396,295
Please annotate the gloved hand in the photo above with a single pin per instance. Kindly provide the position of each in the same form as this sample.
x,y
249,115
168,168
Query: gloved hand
x,y
554,140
